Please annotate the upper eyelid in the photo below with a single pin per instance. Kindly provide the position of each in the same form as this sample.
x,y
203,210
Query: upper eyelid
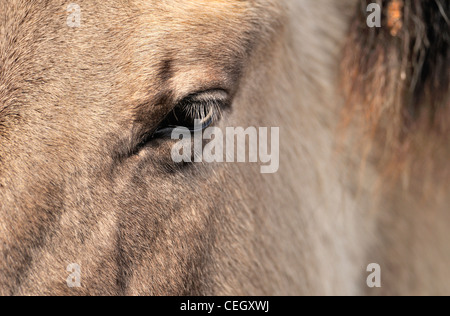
x,y
197,106
215,94
217,99
219,95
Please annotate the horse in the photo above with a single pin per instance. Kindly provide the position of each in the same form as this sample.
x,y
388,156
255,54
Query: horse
x,y
92,203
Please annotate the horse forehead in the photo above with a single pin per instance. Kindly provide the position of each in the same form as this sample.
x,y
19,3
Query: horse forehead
x,y
162,24
214,14
37,44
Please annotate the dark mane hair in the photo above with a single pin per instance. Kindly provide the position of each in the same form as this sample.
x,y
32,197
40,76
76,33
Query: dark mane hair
x,y
399,79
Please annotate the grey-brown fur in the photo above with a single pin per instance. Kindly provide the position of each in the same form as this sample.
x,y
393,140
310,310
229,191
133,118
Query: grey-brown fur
x,y
77,187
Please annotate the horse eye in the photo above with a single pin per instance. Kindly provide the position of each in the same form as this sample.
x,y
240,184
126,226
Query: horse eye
x,y
195,112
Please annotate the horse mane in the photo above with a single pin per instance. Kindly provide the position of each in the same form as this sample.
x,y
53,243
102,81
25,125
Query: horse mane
x,y
396,80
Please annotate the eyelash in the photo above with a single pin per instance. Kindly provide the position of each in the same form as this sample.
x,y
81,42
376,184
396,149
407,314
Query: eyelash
x,y
194,107
208,112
